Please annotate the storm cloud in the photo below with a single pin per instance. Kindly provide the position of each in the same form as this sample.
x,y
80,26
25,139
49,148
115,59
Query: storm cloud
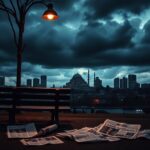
x,y
88,34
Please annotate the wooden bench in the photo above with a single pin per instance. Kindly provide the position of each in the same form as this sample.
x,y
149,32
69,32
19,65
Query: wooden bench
x,y
14,99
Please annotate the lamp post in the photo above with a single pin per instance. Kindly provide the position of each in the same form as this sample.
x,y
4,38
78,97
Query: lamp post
x,y
16,11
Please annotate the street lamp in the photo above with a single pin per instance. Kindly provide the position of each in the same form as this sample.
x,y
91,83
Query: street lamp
x,y
50,13
16,11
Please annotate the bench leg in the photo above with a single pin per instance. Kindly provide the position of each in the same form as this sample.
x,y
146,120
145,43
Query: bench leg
x,y
54,117
12,119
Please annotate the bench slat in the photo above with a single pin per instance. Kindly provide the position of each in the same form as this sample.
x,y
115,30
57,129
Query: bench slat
x,y
34,99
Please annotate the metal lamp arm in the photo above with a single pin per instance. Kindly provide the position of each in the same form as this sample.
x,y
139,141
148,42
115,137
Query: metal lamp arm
x,y
34,3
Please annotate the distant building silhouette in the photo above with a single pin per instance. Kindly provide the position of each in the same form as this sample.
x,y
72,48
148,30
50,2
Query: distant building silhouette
x,y
2,81
116,83
138,85
132,83
53,86
43,81
145,85
97,83
88,77
123,83
77,82
36,82
29,82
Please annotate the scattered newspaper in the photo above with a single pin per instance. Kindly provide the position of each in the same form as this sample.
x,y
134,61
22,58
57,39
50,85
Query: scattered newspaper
x,y
21,131
92,137
144,133
109,130
86,134
42,141
46,130
118,129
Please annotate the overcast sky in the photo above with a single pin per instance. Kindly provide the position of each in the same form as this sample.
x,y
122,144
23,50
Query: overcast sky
x,y
110,37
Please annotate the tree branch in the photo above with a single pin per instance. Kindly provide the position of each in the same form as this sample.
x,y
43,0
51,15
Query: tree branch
x,y
13,6
13,29
18,5
15,12
3,7
33,3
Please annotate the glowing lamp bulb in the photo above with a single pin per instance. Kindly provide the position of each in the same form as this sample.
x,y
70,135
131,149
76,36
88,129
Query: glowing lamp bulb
x,y
50,13
50,16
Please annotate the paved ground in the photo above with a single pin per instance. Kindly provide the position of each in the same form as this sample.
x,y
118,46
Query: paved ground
x,y
69,121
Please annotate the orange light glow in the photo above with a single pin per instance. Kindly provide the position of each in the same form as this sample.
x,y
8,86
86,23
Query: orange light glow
x,y
50,13
50,17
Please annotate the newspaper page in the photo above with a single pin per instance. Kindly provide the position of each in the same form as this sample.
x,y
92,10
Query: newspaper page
x,y
41,141
144,133
87,134
70,133
91,137
121,130
66,134
21,131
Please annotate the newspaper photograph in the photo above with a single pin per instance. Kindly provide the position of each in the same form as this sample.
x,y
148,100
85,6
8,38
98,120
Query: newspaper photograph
x,y
21,131
41,141
118,129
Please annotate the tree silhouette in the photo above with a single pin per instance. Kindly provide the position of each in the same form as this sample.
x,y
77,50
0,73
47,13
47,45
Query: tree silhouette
x,y
16,11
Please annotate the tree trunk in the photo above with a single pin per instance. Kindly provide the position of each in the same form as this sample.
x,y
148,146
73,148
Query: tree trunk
x,y
19,55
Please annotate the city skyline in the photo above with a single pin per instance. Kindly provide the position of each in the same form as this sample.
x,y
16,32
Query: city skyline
x,y
84,74
109,37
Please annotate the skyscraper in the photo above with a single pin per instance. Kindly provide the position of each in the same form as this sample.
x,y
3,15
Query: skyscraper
x,y
43,81
2,81
29,82
132,83
36,82
123,83
116,83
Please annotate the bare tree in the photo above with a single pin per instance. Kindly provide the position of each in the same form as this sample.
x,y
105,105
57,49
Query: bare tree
x,y
16,11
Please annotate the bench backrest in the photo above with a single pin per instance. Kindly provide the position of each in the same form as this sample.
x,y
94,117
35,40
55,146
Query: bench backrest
x,y
35,96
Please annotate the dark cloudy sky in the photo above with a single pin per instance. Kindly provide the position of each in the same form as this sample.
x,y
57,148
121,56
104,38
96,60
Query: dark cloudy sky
x,y
111,37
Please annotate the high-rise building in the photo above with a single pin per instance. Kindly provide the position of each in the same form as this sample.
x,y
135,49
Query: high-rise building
x,y
116,83
2,81
36,82
29,82
132,83
43,81
123,83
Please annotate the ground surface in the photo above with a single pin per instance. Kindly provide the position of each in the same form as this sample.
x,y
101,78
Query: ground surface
x,y
71,121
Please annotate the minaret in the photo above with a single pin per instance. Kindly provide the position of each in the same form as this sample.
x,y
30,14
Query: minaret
x,y
88,77
94,79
